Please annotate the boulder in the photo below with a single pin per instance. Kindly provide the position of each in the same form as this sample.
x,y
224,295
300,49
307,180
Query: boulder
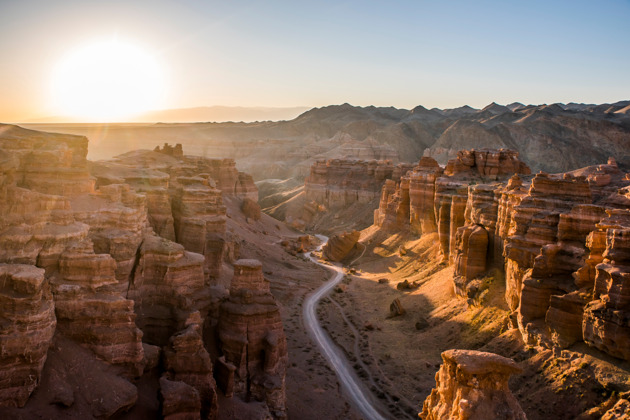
x,y
339,247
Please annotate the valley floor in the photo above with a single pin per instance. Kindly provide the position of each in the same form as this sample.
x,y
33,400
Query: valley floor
x,y
398,356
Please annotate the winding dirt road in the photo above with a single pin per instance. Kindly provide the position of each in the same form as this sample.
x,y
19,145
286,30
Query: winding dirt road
x,y
360,396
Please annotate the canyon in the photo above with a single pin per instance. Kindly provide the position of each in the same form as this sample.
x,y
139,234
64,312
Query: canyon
x,y
547,249
125,264
158,283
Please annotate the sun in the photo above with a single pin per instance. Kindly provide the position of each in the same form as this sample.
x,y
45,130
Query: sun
x,y
107,81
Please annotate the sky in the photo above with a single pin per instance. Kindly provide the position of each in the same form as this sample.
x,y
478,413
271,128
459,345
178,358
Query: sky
x,y
291,53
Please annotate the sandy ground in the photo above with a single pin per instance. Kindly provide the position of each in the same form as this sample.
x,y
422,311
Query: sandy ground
x,y
399,356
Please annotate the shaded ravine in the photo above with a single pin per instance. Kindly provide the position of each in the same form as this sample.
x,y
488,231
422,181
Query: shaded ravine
x,y
361,398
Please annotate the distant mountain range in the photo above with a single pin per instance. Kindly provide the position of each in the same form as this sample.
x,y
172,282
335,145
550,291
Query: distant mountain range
x,y
553,138
199,114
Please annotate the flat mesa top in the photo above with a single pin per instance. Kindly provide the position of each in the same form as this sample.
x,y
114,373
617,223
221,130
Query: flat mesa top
x,y
250,263
478,362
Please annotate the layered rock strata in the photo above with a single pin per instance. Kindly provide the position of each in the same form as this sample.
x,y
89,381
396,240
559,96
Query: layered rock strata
x,y
338,182
169,284
91,312
473,385
92,260
199,216
339,247
606,321
252,340
561,240
187,361
28,323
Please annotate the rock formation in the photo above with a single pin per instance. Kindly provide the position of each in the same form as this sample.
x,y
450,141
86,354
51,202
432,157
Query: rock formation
x,y
606,321
168,285
92,260
473,385
251,209
339,247
187,361
199,216
252,340
179,400
422,195
337,182
175,151
28,314
91,312
561,239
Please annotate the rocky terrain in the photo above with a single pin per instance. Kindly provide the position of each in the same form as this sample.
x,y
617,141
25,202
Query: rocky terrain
x,y
517,260
124,295
153,284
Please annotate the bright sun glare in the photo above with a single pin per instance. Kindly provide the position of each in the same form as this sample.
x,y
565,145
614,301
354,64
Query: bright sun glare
x,y
107,81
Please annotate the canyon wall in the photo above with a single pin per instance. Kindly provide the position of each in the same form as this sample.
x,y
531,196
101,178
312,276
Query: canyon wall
x,y
339,182
123,258
562,240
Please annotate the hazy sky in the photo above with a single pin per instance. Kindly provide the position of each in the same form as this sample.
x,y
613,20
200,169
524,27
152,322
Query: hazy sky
x,y
291,53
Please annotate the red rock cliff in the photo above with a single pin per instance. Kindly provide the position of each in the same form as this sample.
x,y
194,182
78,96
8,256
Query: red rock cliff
x,y
561,239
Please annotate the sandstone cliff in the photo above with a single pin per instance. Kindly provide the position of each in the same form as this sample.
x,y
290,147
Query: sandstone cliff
x,y
122,257
336,182
560,240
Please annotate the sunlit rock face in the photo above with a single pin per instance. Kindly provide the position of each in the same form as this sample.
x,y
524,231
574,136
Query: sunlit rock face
x,y
340,246
422,195
223,171
117,219
183,196
473,385
48,163
606,323
339,182
88,252
560,239
253,343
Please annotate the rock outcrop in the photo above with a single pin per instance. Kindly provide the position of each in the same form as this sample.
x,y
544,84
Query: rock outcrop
x,y
252,340
473,385
28,324
561,239
187,361
336,182
422,195
339,247
168,285
606,321
88,257
179,400
93,313
199,216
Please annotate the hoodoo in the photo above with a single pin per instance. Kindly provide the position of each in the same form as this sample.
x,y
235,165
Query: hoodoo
x,y
252,340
